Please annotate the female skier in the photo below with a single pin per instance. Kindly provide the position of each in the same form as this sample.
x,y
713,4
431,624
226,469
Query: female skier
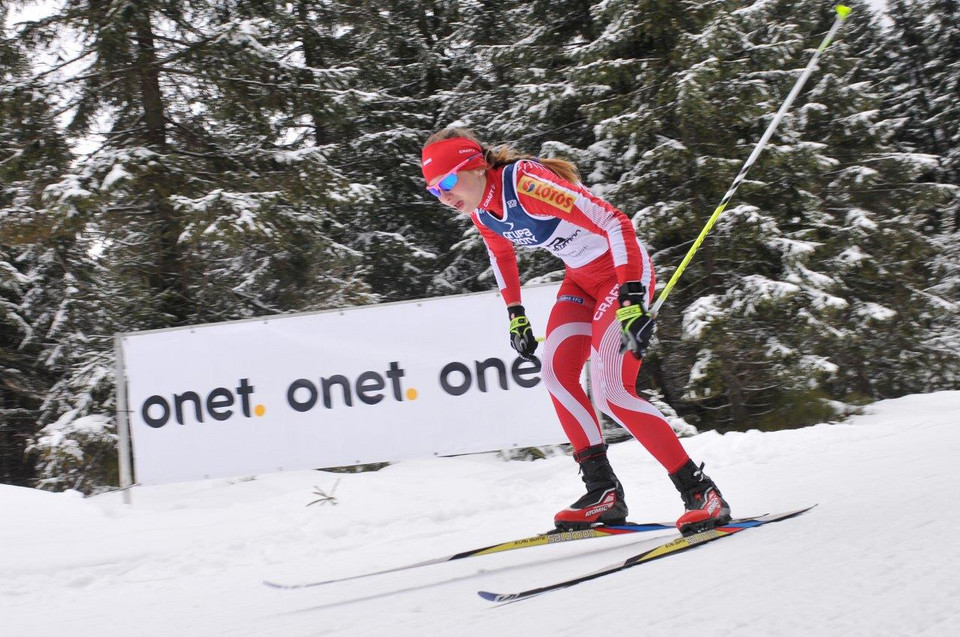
x,y
601,311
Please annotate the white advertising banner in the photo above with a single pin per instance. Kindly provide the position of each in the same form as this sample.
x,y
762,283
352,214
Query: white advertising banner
x,y
369,384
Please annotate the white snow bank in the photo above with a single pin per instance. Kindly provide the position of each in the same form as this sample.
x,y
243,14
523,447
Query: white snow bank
x,y
874,558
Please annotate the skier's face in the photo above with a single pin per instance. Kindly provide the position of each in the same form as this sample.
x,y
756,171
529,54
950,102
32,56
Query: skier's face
x,y
466,194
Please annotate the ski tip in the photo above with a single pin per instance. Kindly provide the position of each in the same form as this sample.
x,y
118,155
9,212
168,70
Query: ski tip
x,y
280,586
843,11
789,514
759,520
805,509
504,597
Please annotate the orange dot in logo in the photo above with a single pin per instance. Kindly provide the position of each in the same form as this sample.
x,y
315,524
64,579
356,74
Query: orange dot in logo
x,y
259,410
412,394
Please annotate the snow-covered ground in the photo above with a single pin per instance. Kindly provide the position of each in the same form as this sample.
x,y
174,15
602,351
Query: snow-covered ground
x,y
878,556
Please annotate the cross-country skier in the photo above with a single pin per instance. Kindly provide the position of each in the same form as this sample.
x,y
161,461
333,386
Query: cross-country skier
x,y
601,311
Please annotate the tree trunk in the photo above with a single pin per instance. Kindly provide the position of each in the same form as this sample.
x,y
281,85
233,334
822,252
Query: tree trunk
x,y
169,279
735,394
313,58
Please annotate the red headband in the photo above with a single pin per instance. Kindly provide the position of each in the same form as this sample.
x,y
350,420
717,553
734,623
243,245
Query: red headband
x,y
441,157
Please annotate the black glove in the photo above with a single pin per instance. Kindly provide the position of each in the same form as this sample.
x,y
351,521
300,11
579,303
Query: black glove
x,y
521,334
636,324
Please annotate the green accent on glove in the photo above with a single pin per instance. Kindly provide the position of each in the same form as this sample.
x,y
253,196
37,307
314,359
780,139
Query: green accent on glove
x,y
519,325
629,314
636,328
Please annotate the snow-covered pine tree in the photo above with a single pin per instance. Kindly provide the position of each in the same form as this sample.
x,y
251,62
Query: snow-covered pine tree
x,y
48,309
212,202
945,40
306,50
763,319
477,80
881,201
653,118
544,113
749,360
923,57
395,49
203,198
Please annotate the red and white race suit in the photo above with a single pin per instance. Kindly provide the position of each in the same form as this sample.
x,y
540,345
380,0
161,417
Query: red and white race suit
x,y
526,204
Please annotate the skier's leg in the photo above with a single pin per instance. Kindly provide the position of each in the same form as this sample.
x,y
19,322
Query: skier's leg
x,y
565,351
614,377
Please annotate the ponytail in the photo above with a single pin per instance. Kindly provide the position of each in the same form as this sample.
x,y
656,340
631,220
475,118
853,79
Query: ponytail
x,y
502,155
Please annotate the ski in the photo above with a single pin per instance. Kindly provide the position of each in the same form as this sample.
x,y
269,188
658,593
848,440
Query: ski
x,y
671,547
551,537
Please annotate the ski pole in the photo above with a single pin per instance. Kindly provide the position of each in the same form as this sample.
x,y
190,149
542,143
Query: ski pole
x,y
842,13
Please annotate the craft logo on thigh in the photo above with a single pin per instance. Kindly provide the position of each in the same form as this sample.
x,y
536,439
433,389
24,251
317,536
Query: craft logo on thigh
x,y
606,303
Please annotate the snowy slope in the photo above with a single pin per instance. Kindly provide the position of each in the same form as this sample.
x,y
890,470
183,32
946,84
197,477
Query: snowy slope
x,y
876,557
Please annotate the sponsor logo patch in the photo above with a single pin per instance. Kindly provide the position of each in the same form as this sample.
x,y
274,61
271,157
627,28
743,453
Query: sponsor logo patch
x,y
560,243
546,193
571,298
521,237
607,303
598,509
486,202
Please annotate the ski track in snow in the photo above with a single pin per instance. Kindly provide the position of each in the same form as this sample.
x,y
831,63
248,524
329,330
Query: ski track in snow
x,y
874,558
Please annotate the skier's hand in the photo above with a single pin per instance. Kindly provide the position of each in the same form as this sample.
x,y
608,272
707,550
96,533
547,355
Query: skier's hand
x,y
521,334
636,323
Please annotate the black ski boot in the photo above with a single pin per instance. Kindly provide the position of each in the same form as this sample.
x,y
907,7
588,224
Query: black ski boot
x,y
706,508
603,502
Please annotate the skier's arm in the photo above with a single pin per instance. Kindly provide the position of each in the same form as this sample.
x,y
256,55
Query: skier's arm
x,y
503,260
542,192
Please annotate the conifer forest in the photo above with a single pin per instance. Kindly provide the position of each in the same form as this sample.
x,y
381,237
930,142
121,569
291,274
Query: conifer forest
x,y
177,162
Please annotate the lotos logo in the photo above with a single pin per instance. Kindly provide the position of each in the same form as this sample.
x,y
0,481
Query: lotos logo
x,y
547,193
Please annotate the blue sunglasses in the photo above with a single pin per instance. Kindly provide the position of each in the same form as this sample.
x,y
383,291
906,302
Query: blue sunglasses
x,y
449,180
